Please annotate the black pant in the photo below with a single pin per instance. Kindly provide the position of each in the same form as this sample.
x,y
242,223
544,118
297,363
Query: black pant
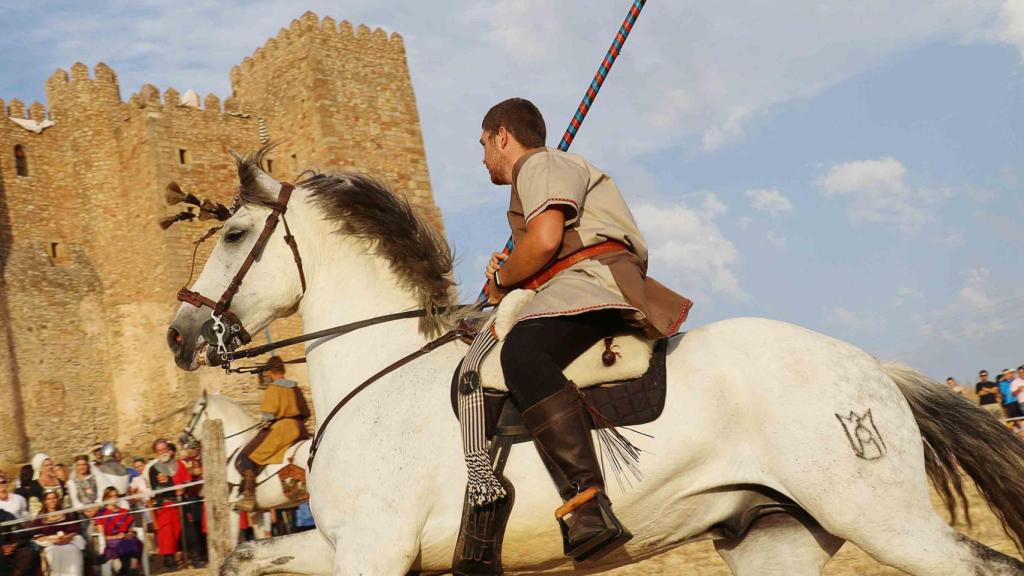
x,y
536,351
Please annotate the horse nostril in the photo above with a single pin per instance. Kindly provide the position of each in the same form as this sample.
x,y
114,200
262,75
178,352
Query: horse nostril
x,y
173,339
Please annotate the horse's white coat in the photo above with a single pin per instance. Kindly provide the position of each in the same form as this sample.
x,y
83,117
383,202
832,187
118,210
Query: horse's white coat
x,y
751,402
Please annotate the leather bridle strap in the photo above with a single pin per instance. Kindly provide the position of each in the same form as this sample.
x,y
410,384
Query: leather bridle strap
x,y
222,305
426,349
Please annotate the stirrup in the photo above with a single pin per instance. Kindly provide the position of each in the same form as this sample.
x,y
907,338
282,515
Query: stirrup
x,y
614,535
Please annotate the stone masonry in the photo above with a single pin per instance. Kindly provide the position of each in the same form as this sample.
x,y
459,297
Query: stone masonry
x,y
87,278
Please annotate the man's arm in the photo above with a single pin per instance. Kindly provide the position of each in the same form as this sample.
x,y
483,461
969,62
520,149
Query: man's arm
x,y
540,243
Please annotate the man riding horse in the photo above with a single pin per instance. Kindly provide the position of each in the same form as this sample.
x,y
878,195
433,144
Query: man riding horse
x,y
577,245
284,412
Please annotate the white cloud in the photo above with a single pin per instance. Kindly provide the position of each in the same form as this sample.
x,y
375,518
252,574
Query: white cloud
x,y
877,193
905,294
768,200
976,311
687,247
1011,24
727,132
953,238
776,240
854,321
744,222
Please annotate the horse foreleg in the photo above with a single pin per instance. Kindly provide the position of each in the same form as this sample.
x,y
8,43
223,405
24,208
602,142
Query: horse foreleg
x,y
779,545
303,553
376,549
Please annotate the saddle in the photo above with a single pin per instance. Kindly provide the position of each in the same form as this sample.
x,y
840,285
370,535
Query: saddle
x,y
638,398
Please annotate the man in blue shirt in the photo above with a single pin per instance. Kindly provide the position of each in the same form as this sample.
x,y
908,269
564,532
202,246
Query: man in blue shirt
x,y
1010,404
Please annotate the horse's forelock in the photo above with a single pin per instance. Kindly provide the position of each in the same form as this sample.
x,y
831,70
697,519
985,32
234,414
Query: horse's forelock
x,y
250,168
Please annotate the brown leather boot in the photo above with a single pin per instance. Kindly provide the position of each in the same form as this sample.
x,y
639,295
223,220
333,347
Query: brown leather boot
x,y
561,426
247,503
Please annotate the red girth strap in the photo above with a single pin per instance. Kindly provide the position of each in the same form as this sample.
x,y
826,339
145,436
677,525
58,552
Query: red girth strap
x,y
549,271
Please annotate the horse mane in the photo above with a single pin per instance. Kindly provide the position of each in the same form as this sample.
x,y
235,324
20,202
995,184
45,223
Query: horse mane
x,y
366,208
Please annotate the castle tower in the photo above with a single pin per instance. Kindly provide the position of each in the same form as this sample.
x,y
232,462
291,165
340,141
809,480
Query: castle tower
x,y
87,278
338,98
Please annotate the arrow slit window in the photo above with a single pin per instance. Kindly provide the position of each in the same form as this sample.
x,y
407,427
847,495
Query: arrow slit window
x,y
20,160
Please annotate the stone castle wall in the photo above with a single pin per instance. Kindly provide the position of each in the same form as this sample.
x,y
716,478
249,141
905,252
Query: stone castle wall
x,y
87,278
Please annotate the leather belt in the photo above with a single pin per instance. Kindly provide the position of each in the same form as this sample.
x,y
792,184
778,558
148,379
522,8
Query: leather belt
x,y
549,272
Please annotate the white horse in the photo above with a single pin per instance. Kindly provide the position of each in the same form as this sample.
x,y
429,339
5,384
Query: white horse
x,y
240,427
754,407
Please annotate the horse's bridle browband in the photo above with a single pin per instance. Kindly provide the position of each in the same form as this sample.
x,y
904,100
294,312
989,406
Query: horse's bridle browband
x,y
226,323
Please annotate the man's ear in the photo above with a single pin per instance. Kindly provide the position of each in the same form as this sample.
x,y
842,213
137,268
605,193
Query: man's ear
x,y
503,137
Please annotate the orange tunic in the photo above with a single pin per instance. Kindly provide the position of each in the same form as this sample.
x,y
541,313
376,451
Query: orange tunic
x,y
282,402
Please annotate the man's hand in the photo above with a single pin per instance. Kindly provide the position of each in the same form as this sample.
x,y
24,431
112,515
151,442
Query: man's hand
x,y
9,549
496,261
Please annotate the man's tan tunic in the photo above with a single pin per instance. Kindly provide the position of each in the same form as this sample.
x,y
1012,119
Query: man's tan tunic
x,y
595,212
287,409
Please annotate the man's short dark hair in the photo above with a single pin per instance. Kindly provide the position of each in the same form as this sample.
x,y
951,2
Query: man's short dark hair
x,y
275,364
521,118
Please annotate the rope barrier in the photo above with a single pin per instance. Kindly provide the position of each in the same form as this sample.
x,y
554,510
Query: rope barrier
x,y
73,510
86,519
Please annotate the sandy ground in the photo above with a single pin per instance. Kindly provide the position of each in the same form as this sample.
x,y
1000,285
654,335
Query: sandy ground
x,y
700,559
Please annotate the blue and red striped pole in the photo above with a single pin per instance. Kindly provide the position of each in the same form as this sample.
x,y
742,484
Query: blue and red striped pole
x,y
590,95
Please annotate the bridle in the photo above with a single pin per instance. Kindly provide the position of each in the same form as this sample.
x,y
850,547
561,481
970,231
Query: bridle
x,y
227,328
230,334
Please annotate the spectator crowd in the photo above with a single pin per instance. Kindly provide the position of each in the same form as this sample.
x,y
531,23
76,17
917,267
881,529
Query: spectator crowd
x,y
95,517
1002,397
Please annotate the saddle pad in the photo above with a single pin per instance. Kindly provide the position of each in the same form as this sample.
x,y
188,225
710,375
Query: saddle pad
x,y
624,403
633,357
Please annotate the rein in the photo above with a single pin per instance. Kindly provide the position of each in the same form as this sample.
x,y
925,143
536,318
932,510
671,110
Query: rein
x,y
426,349
231,356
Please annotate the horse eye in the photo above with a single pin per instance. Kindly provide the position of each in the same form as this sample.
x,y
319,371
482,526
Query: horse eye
x,y
234,236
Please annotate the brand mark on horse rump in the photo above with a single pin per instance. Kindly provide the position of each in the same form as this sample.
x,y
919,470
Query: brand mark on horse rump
x,y
865,439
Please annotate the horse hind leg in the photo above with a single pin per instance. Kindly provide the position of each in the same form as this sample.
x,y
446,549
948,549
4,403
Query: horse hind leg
x,y
927,546
779,545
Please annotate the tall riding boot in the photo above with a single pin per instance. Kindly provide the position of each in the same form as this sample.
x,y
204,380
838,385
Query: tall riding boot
x,y
561,426
247,503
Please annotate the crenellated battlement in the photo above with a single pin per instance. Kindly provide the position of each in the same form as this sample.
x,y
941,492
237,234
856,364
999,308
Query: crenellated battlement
x,y
354,41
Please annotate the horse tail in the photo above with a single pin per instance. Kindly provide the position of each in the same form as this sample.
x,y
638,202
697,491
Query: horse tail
x,y
956,434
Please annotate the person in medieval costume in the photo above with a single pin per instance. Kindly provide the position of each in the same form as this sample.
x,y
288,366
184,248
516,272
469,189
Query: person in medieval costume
x,y
284,411
111,470
578,247
122,548
164,476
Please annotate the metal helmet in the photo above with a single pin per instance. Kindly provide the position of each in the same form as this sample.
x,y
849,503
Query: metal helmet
x,y
108,451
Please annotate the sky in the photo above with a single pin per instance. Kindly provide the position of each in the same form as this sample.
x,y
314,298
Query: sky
x,y
853,167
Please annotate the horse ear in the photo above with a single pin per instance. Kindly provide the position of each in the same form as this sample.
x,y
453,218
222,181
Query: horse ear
x,y
235,155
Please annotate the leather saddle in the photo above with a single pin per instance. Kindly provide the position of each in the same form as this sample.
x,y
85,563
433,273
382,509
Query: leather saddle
x,y
621,403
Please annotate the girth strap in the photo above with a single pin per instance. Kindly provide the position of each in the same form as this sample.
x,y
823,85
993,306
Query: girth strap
x,y
426,349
